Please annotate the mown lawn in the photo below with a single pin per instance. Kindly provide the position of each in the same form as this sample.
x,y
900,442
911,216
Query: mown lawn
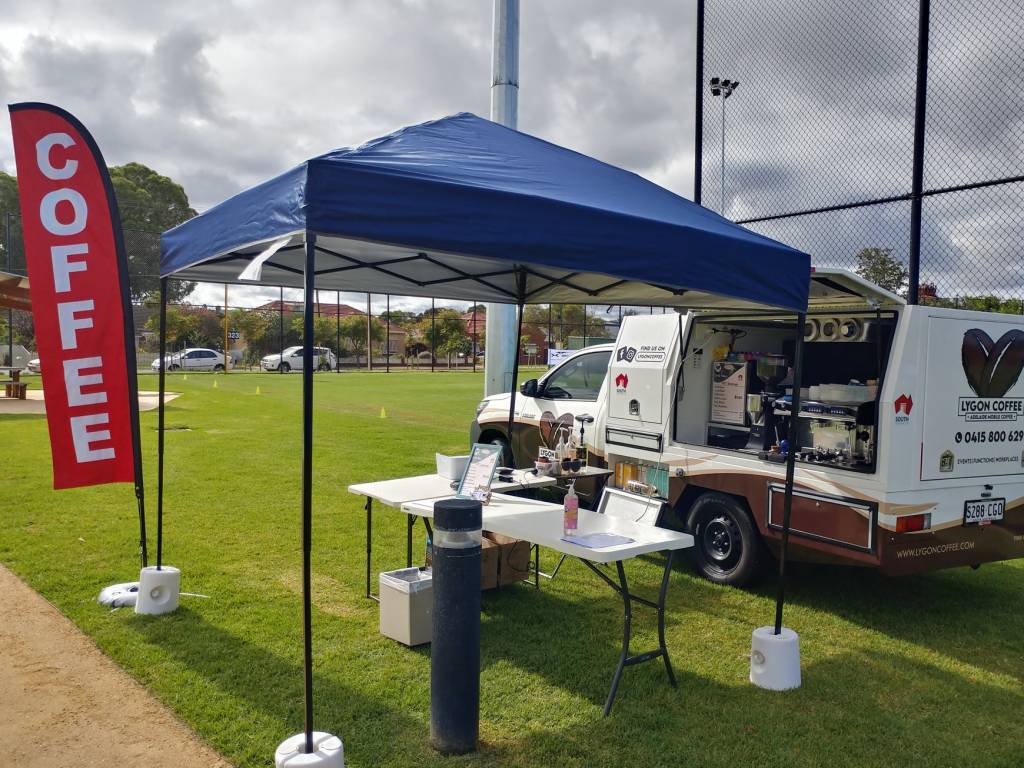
x,y
920,671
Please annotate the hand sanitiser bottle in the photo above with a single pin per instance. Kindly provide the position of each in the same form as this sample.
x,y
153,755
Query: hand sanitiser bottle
x,y
571,511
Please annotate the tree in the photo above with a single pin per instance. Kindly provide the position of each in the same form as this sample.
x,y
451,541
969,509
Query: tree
x,y
566,320
149,204
877,265
181,326
353,333
444,326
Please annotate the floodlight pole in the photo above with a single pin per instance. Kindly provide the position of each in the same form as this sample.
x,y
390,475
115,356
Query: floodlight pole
x,y
722,88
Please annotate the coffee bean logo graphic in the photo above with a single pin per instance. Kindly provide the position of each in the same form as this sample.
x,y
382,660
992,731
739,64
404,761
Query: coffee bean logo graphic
x,y
992,367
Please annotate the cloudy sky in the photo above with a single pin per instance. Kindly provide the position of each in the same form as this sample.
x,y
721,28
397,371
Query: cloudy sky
x,y
221,95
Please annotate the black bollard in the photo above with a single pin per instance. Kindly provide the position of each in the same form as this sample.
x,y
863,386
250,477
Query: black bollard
x,y
455,648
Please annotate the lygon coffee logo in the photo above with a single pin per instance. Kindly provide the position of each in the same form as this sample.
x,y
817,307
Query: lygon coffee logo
x,y
992,367
625,353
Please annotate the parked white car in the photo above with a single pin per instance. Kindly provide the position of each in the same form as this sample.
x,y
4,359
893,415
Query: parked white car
x,y
196,359
291,360
33,365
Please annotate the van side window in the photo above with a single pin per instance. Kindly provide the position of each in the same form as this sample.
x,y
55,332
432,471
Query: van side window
x,y
578,379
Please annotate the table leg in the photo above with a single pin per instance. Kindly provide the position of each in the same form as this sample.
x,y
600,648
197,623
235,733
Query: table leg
x,y
627,629
369,547
410,522
661,617
625,660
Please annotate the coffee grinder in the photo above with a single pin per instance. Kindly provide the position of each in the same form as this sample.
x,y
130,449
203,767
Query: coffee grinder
x,y
771,370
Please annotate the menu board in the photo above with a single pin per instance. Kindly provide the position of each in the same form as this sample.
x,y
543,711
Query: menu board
x,y
729,393
476,480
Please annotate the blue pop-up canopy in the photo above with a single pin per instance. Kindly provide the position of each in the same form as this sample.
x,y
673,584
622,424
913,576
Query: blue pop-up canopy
x,y
464,208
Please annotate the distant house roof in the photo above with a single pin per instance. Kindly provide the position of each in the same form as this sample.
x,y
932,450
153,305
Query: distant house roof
x,y
319,308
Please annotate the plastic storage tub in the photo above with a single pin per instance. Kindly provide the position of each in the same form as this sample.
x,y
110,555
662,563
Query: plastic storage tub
x,y
406,601
451,467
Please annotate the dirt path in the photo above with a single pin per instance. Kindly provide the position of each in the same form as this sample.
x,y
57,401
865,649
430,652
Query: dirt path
x,y
62,702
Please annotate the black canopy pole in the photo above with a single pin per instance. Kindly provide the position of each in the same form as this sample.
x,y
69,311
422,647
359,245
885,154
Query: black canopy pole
x,y
787,503
521,290
160,428
309,280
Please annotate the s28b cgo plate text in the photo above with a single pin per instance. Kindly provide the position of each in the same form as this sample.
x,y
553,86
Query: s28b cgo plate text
x,y
980,511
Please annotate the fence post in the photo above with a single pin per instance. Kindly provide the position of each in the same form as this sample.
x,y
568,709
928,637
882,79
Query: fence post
x,y
920,108
433,333
337,331
280,325
369,334
698,123
387,357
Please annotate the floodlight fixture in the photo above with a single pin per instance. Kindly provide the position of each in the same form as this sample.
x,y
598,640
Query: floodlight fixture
x,y
723,87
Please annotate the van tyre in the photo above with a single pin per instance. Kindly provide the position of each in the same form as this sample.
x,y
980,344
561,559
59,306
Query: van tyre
x,y
284,368
726,543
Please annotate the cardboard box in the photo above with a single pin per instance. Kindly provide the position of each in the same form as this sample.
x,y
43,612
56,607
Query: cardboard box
x,y
406,605
513,558
488,564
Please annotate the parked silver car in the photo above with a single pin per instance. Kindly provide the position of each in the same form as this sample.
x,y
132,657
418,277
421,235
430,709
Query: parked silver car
x,y
291,360
194,359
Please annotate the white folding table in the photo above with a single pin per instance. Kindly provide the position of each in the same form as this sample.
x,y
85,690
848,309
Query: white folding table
x,y
541,523
395,493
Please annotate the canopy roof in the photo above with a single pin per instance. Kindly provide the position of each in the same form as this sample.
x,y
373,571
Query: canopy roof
x,y
14,292
464,208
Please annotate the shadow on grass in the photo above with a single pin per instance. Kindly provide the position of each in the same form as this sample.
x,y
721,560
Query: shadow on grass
x,y
952,612
373,731
852,710
522,626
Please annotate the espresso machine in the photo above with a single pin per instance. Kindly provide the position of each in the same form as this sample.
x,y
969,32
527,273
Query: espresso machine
x,y
771,370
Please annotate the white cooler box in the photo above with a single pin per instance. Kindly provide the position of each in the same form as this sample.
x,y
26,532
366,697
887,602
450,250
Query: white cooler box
x,y
406,603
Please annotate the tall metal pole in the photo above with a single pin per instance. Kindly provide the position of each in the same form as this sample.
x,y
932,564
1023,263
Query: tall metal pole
x,y
473,335
387,359
161,408
337,331
309,281
500,320
521,282
920,108
787,503
369,334
225,327
280,318
721,209
698,125
433,334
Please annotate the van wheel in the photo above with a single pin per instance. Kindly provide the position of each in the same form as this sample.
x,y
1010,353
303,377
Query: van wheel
x,y
174,367
504,458
218,367
726,544
323,367
284,368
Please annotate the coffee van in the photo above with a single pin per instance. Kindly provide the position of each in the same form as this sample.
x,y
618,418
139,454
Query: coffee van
x,y
909,439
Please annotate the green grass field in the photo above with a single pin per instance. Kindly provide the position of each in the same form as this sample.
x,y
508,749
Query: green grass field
x,y
920,671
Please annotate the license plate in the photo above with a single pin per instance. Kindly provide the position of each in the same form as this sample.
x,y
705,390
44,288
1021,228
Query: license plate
x,y
980,511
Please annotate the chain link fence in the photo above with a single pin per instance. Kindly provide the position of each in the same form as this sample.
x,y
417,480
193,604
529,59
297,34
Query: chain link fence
x,y
360,331
816,144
